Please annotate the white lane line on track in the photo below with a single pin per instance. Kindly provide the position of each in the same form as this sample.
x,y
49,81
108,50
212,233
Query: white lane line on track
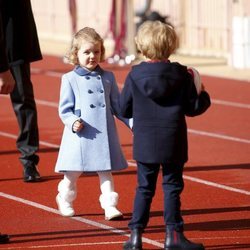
x,y
47,103
59,75
44,143
80,219
131,163
218,136
103,226
208,183
67,245
230,104
213,184
214,101
192,131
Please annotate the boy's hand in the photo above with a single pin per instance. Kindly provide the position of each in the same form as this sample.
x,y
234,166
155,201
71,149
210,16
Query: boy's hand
x,y
202,87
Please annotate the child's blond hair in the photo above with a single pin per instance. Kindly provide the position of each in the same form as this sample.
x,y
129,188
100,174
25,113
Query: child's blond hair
x,y
156,40
86,34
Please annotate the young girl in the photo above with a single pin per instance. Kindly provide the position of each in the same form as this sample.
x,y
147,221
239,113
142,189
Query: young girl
x,y
158,94
89,98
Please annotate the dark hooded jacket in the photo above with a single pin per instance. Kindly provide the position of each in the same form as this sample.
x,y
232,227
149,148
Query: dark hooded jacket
x,y
158,96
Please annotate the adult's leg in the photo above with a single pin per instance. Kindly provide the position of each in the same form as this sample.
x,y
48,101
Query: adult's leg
x,y
24,106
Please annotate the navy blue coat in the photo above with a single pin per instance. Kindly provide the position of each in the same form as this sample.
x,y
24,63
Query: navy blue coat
x,y
18,34
158,96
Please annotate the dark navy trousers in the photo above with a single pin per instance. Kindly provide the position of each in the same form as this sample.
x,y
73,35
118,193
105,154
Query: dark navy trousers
x,y
24,106
172,185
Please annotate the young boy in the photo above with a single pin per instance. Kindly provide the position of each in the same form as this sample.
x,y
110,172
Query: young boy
x,y
158,94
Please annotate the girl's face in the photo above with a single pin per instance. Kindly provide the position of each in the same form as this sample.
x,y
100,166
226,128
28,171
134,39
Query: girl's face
x,y
89,55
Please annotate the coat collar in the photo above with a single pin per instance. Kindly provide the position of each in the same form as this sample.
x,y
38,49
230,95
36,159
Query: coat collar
x,y
83,71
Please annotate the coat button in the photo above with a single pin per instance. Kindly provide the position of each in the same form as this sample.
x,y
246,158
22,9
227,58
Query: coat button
x,y
87,77
103,105
90,91
98,77
101,91
92,106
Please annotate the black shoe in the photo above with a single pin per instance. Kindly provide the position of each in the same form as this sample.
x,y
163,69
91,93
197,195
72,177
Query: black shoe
x,y
30,174
135,241
177,241
4,238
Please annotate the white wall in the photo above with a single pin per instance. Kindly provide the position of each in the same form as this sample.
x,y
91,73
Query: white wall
x,y
204,26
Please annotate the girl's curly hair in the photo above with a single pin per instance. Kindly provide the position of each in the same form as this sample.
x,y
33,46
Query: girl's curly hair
x,y
86,34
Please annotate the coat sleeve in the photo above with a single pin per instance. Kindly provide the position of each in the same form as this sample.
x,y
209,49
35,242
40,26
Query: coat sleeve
x,y
126,99
67,107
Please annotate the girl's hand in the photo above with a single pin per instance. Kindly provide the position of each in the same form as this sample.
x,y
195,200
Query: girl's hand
x,y
77,126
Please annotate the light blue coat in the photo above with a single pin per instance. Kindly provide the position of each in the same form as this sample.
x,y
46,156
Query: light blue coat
x,y
92,97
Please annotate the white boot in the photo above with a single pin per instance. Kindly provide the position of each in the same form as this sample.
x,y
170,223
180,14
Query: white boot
x,y
65,198
108,203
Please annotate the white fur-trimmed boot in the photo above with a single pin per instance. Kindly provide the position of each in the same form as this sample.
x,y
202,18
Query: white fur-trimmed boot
x,y
65,198
109,202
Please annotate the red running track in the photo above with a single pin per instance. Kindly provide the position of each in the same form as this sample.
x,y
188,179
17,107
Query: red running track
x,y
215,201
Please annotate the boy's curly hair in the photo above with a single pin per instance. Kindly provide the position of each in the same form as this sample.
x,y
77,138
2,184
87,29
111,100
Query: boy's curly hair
x,y
156,40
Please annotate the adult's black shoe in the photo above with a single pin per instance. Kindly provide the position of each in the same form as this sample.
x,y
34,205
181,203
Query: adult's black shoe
x,y
30,174
4,238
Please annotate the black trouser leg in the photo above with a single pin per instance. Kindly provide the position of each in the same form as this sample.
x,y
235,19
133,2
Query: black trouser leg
x,y
172,185
146,183
146,177
25,109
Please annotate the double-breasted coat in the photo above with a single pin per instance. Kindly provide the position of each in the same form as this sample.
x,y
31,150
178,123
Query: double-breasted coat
x,y
93,97
158,95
